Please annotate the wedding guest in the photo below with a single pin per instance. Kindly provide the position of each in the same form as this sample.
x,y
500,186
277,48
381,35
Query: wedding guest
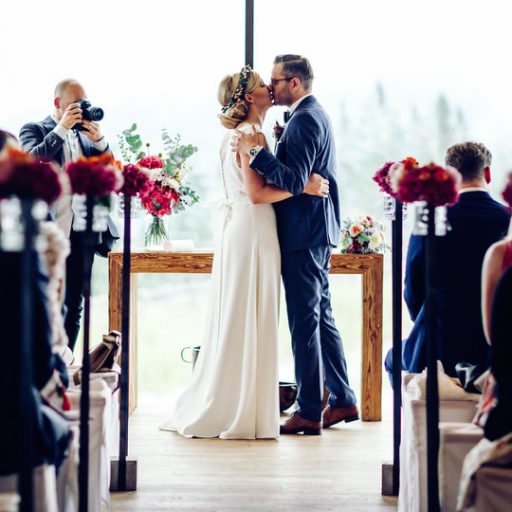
x,y
57,139
499,414
497,260
476,221
51,432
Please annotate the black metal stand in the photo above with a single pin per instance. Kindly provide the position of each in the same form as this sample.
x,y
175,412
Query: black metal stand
x,y
125,347
432,388
26,411
83,470
391,474
397,239
249,32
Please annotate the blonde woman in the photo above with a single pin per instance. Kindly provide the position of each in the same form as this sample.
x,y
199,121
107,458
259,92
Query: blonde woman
x,y
234,390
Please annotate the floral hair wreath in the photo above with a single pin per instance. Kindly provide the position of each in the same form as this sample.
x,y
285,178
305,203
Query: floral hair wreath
x,y
240,90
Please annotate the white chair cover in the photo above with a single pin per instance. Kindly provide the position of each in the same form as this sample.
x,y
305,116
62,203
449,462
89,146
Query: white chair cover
x,y
45,493
413,449
456,440
99,449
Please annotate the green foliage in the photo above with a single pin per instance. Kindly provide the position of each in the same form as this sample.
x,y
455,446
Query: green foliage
x,y
175,153
130,144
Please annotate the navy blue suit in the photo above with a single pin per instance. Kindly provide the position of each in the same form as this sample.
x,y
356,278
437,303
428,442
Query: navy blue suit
x,y
477,221
43,143
308,228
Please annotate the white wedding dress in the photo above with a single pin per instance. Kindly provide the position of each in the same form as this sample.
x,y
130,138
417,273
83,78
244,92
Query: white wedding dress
x,y
234,389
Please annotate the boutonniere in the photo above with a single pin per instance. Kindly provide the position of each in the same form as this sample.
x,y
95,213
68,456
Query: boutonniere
x,y
278,131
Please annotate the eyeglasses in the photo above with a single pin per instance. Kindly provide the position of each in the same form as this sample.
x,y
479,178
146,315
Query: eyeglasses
x,y
274,81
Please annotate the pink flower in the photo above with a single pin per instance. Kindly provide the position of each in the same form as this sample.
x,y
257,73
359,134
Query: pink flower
x,y
28,178
431,183
95,176
135,181
355,230
151,162
381,177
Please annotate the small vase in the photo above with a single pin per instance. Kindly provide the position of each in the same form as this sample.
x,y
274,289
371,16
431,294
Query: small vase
x,y
156,234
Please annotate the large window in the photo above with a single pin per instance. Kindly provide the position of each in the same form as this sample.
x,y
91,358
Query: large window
x,y
398,78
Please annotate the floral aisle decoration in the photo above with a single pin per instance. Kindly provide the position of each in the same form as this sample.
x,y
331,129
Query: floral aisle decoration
x,y
97,177
362,235
431,183
22,177
168,191
28,178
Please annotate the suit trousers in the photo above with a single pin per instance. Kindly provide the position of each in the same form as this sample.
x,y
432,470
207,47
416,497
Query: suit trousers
x,y
77,263
316,342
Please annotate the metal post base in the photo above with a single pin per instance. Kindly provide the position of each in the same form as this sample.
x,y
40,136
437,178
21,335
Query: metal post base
x,y
131,475
387,480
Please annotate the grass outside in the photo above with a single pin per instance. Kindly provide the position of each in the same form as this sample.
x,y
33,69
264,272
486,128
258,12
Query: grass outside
x,y
171,315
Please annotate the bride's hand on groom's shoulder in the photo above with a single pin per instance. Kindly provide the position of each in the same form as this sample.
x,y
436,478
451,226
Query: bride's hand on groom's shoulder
x,y
317,186
243,142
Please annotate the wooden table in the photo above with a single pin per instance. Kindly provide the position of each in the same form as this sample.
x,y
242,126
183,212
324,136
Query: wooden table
x,y
369,265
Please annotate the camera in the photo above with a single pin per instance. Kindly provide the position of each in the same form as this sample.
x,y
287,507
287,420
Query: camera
x,y
89,113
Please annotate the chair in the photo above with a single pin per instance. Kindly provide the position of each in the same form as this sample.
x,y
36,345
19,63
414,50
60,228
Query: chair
x,y
413,448
44,484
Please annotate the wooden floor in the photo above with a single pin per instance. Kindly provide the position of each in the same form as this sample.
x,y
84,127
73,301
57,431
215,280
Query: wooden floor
x,y
338,471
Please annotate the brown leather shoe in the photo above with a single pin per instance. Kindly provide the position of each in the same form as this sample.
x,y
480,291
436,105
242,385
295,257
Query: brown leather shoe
x,y
296,424
333,415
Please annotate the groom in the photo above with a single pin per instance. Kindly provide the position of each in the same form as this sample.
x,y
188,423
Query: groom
x,y
308,229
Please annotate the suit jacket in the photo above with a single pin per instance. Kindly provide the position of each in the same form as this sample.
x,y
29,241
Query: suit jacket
x,y
306,146
43,143
476,221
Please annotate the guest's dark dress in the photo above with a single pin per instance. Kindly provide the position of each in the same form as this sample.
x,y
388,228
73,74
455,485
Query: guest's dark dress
x,y
499,421
51,433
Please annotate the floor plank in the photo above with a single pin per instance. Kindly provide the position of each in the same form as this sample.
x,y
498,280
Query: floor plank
x,y
338,471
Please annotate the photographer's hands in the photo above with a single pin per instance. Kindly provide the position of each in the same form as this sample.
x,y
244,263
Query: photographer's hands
x,y
72,115
92,131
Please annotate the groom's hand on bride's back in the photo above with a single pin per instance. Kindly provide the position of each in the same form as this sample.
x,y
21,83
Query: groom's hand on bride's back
x,y
317,186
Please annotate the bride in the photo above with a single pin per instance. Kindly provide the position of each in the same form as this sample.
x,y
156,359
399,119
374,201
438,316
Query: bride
x,y
234,389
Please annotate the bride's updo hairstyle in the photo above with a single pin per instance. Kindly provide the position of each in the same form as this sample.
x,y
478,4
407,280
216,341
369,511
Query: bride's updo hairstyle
x,y
231,94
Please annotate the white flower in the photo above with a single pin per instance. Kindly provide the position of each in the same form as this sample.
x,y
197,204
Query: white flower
x,y
374,242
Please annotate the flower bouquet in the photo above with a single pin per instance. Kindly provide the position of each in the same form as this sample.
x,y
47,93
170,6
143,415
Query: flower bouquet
x,y
167,191
384,177
431,183
96,177
362,235
28,178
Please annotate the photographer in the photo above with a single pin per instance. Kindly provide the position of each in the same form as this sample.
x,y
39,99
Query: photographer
x,y
70,133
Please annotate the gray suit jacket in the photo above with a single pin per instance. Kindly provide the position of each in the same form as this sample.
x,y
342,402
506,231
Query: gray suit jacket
x,y
42,142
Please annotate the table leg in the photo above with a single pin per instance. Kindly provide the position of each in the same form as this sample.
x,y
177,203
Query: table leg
x,y
371,371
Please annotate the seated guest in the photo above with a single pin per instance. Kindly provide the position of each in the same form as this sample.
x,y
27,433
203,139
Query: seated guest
x,y
497,260
476,222
499,415
51,432
57,139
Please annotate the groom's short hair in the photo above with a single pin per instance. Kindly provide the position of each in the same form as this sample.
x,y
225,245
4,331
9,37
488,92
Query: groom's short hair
x,y
469,158
296,65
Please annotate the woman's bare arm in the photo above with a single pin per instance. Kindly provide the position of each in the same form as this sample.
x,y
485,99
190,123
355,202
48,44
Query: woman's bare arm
x,y
491,272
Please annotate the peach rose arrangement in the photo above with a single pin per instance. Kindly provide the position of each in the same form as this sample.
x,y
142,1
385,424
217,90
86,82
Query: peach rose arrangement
x,y
362,235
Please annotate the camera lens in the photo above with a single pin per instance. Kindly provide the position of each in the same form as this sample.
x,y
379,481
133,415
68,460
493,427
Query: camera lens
x,y
96,113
